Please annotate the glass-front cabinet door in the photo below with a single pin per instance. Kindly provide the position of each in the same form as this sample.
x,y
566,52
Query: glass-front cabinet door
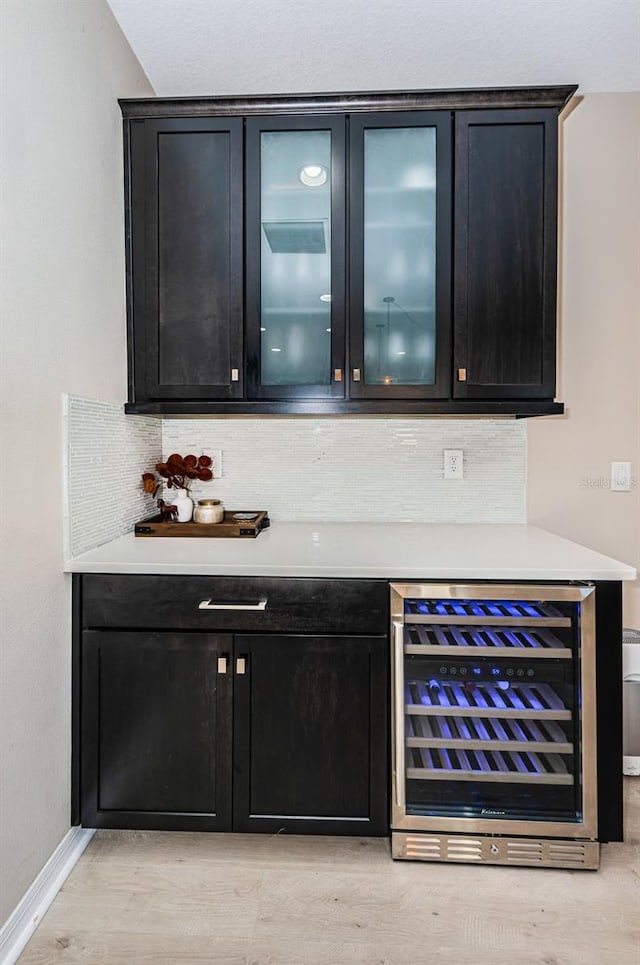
x,y
295,224
400,264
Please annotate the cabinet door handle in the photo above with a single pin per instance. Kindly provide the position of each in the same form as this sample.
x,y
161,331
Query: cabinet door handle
x,y
235,375
356,375
222,664
241,665
208,605
337,374
462,375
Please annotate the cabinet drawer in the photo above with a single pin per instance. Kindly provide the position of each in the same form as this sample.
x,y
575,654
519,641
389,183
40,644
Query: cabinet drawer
x,y
235,604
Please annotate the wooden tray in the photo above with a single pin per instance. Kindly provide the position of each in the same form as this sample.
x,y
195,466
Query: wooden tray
x,y
245,528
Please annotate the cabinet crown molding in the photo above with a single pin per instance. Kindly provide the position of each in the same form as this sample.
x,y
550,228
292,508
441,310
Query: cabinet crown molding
x,y
355,101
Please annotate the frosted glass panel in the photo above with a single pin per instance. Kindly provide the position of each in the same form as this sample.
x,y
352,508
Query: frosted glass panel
x,y
295,257
399,255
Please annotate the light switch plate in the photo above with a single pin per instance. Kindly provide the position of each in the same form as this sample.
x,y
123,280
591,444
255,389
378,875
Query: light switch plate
x,y
620,477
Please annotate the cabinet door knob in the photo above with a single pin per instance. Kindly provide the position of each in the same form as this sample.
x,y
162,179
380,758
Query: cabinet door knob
x,y
356,375
241,665
337,374
462,375
222,664
235,375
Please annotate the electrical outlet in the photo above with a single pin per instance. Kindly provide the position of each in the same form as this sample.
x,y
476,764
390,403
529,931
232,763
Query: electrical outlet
x,y
620,477
453,464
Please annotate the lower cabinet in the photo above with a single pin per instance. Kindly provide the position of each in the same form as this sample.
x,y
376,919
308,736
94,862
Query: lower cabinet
x,y
156,730
190,730
310,734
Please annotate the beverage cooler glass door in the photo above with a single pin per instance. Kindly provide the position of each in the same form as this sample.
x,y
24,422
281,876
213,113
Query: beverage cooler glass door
x,y
494,709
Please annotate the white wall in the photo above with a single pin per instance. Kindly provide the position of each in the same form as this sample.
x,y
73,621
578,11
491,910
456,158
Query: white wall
x,y
570,456
63,66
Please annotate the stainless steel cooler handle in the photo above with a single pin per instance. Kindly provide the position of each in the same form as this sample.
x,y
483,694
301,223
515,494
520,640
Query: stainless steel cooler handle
x,y
208,605
398,711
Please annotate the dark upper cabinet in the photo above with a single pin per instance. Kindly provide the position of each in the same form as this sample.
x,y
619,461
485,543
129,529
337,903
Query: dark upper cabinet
x,y
390,253
185,226
505,254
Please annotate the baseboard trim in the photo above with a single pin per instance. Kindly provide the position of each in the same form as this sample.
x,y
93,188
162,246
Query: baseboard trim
x,y
32,907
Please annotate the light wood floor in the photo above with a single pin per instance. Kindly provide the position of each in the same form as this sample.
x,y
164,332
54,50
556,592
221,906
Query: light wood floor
x,y
139,898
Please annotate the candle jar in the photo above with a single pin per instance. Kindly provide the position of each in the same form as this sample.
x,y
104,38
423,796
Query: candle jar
x,y
208,511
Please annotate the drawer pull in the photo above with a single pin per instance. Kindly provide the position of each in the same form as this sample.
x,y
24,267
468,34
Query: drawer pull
x,y
241,665
222,664
208,605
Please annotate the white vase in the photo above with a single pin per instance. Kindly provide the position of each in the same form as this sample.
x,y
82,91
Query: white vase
x,y
184,503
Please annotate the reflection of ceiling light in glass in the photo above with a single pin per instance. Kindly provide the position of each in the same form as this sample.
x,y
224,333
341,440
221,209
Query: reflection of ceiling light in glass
x,y
313,175
421,176
262,329
325,298
401,353
276,349
327,329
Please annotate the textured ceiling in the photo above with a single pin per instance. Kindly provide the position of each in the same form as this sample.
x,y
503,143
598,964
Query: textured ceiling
x,y
275,46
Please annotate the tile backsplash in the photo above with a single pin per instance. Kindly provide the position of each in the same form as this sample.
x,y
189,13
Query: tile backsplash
x,y
361,469
353,469
106,452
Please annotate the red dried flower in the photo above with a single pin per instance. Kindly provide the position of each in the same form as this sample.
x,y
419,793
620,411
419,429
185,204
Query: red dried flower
x,y
179,472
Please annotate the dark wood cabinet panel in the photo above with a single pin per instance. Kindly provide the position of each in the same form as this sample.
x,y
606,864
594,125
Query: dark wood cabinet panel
x,y
505,254
187,258
337,606
609,710
310,735
156,731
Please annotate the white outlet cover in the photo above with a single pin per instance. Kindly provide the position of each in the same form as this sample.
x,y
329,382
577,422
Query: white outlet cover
x,y
454,464
620,477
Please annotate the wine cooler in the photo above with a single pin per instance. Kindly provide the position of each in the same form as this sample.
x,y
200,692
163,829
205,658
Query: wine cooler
x,y
494,750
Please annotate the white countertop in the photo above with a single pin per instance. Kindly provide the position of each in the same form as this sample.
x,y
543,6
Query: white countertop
x,y
385,551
